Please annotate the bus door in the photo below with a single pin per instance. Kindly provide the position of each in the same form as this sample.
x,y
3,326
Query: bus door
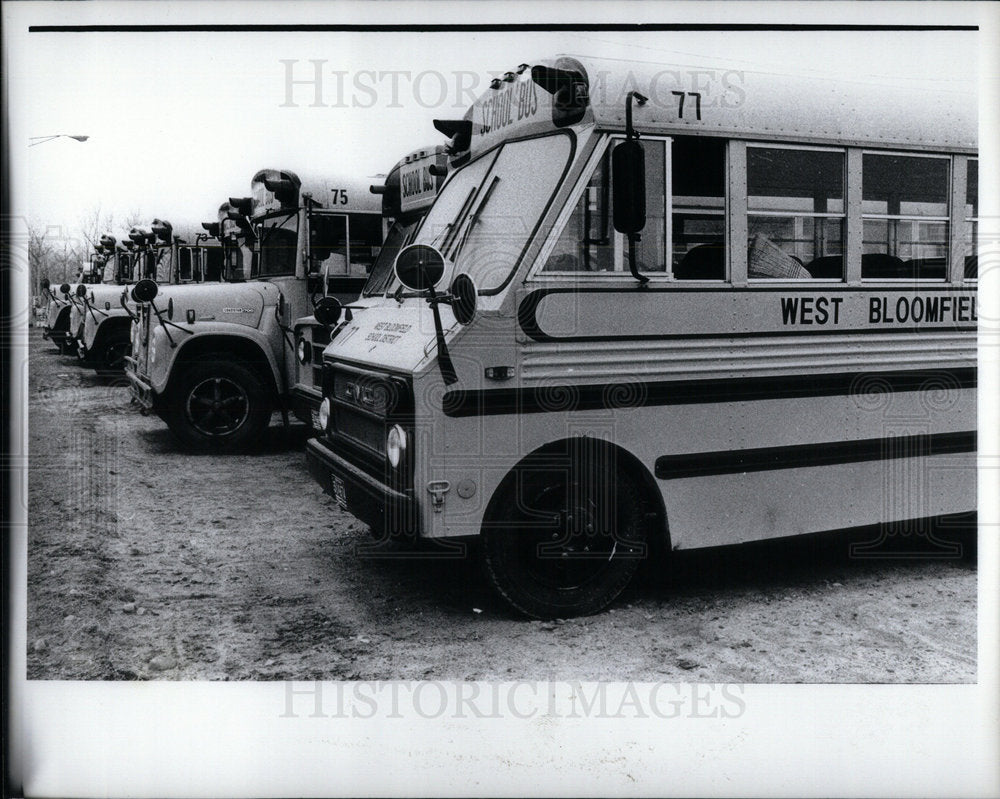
x,y
188,265
328,255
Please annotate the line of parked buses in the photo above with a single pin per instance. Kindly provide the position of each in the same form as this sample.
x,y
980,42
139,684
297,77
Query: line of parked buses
x,y
610,316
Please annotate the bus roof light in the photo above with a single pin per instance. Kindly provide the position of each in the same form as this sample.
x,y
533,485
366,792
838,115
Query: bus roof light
x,y
458,130
569,90
495,83
162,229
241,205
509,77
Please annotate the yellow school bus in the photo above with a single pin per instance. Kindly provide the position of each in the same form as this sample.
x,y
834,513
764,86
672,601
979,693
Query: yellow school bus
x,y
650,308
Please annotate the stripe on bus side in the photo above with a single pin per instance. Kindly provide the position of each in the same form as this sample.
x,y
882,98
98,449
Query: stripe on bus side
x,y
636,394
703,464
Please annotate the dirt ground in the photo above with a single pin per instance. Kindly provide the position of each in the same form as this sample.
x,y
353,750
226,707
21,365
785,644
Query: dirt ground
x,y
148,563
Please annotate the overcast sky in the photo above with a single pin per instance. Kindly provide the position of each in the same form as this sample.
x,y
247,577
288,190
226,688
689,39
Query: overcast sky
x,y
178,122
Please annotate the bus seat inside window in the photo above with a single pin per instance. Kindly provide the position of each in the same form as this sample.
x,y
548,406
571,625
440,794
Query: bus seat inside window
x,y
698,187
905,210
795,213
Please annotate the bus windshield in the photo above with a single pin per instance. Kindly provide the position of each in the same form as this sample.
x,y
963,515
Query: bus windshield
x,y
161,267
381,275
277,240
486,213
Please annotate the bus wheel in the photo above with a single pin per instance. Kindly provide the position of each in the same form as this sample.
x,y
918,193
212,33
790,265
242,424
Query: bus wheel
x,y
112,357
219,405
564,539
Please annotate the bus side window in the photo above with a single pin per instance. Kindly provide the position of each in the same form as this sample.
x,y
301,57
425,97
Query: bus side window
x,y
185,265
213,263
972,220
366,239
328,242
795,213
698,219
588,242
905,212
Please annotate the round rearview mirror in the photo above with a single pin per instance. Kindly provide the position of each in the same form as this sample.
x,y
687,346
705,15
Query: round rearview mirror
x,y
463,302
45,283
419,267
327,311
145,290
81,290
64,289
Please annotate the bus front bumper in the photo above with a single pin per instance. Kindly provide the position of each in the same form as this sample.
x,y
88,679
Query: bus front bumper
x,y
305,402
142,392
385,510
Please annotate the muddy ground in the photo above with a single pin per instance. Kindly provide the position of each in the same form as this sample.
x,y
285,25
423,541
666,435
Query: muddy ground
x,y
148,563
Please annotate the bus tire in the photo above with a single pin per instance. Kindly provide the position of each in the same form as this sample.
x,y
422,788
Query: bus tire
x,y
111,358
219,405
564,536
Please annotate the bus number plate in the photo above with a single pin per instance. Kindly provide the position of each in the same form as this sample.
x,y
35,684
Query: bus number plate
x,y
339,491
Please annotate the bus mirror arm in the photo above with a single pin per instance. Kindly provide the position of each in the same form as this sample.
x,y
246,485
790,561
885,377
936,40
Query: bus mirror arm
x,y
122,299
163,322
628,170
444,357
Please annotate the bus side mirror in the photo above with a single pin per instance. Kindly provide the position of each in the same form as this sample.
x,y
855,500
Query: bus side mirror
x,y
145,291
463,298
327,311
64,289
81,290
419,267
628,168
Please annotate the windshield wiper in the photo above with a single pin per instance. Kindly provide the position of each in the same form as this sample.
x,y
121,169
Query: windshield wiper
x,y
474,219
452,228
268,230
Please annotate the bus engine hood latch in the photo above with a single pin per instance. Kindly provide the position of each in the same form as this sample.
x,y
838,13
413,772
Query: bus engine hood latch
x,y
437,489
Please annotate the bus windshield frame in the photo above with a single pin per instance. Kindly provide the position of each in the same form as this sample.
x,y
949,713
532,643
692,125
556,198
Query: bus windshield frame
x,y
471,219
381,276
286,220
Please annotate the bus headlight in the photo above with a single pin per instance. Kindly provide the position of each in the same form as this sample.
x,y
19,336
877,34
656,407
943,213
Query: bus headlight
x,y
324,414
304,351
395,445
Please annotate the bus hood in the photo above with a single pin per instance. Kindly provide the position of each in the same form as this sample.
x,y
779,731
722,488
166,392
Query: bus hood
x,y
102,293
392,336
233,303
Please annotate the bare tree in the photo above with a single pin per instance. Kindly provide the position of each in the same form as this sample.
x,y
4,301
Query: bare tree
x,y
93,224
39,255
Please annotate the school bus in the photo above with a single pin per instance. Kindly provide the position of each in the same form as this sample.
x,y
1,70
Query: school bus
x,y
216,361
230,239
57,313
407,194
650,309
103,325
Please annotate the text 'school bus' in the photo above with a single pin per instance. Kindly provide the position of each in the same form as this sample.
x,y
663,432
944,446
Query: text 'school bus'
x,y
103,333
407,194
217,370
757,319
